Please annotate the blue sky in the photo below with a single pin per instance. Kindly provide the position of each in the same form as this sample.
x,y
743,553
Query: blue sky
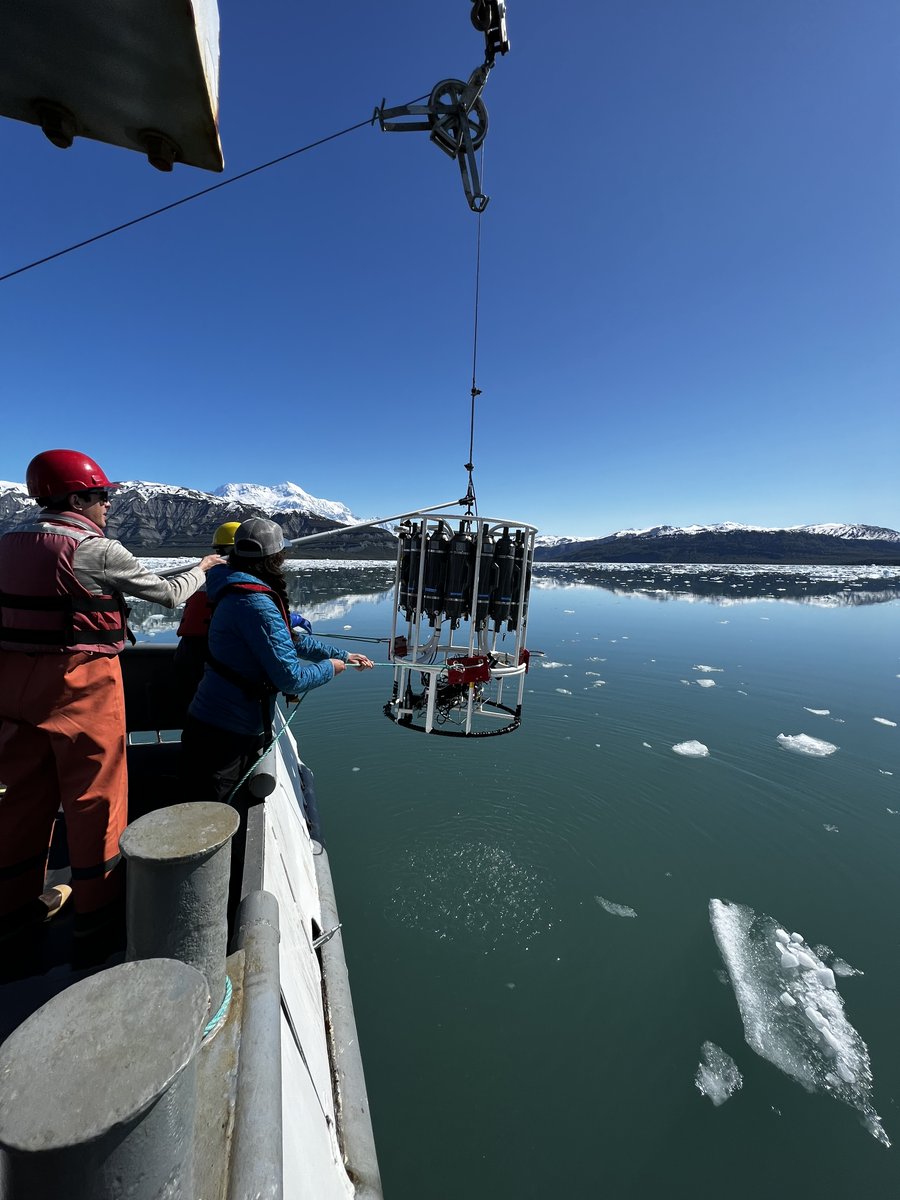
x,y
690,290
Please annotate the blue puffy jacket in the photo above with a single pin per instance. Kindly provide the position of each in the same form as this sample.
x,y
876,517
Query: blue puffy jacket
x,y
248,634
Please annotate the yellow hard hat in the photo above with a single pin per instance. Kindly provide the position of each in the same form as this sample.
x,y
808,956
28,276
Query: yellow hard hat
x,y
224,535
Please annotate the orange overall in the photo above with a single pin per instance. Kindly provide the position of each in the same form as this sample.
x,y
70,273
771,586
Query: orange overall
x,y
62,742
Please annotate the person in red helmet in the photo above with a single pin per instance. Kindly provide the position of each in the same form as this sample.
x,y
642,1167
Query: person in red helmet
x,y
62,708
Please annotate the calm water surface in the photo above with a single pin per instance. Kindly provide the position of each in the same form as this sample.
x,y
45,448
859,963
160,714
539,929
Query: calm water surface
x,y
519,1039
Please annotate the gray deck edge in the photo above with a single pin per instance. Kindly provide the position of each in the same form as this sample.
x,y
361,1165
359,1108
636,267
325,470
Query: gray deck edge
x,y
257,1162
354,1120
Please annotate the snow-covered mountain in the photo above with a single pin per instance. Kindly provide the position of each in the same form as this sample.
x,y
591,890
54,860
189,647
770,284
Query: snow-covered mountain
x,y
876,533
159,518
285,497
731,542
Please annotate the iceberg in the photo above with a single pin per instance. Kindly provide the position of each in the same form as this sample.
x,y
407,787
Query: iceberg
x,y
691,749
810,1040
616,910
717,1075
802,743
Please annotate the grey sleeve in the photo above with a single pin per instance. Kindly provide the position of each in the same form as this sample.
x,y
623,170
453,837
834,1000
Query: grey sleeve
x,y
104,565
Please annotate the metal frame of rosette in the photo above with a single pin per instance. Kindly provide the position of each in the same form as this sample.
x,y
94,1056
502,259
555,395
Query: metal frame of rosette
x,y
461,588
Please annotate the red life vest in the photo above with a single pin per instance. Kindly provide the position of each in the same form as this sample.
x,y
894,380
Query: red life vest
x,y
44,608
196,616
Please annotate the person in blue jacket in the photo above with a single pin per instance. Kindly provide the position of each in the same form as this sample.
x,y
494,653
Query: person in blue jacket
x,y
252,657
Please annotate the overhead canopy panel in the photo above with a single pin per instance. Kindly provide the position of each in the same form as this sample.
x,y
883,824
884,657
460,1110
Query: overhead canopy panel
x,y
143,74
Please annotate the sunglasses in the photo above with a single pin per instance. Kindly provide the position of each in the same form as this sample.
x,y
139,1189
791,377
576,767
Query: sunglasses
x,y
99,496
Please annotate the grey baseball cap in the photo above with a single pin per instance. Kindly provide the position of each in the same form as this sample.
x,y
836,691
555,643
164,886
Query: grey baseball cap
x,y
258,538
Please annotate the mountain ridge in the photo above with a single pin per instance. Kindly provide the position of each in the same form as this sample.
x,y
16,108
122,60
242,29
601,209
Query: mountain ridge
x,y
167,520
731,542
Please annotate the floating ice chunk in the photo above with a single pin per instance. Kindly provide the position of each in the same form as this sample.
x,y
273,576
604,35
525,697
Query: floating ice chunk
x,y
740,693
717,1074
616,910
787,1000
802,743
597,673
831,828
686,682
782,935
815,1017
832,1042
796,937
780,1034
880,772
789,962
647,745
599,683
568,612
691,749
825,976
348,626
885,721
564,691
552,666
704,667
840,967
818,712
356,768
705,682
894,811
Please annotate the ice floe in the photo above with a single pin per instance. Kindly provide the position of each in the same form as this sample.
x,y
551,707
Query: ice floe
x,y
691,749
617,910
885,721
552,666
592,672
818,712
842,968
802,743
705,682
599,683
564,691
647,745
717,1075
704,667
831,828
810,1040
880,772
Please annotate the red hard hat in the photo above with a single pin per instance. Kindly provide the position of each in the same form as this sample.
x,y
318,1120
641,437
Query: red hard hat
x,y
57,472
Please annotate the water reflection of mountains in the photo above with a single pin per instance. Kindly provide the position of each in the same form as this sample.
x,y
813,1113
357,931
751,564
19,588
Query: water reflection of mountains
x,y
831,586
320,591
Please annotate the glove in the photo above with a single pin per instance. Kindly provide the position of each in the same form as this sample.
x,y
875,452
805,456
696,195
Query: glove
x,y
300,623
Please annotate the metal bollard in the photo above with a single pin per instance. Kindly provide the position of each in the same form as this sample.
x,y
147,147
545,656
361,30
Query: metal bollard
x,y
179,861
261,782
98,1088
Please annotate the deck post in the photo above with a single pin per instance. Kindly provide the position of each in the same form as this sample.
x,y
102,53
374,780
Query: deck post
x,y
179,861
98,1088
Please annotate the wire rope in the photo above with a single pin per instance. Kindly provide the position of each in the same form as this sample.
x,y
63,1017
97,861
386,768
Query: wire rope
x,y
471,500
215,187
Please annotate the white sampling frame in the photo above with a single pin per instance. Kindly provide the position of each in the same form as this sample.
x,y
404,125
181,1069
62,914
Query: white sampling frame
x,y
486,625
